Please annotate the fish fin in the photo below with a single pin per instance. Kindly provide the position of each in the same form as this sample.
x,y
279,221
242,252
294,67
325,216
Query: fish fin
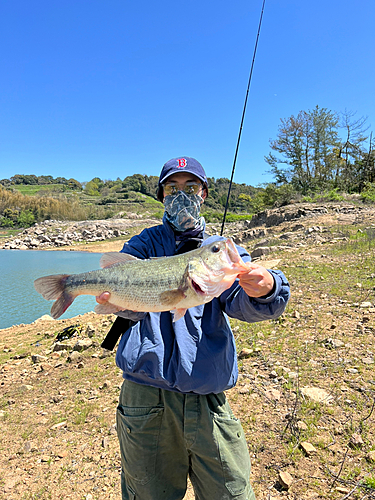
x,y
51,287
178,314
110,259
107,308
61,304
172,297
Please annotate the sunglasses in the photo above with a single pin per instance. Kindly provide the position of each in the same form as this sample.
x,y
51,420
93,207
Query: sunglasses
x,y
189,188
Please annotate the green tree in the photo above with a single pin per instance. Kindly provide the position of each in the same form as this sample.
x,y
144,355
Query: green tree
x,y
92,188
26,218
305,144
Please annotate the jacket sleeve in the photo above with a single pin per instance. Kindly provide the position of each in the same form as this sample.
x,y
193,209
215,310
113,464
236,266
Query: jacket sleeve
x,y
138,246
237,304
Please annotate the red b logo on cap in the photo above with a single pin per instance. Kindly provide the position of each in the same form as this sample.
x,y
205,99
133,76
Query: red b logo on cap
x,y
181,163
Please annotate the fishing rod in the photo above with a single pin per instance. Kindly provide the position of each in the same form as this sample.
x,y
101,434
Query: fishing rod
x,y
242,119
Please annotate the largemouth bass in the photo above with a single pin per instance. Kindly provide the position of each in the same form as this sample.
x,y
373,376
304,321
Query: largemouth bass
x,y
150,285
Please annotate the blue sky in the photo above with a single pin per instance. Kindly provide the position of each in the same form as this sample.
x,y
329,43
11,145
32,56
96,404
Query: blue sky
x,y
112,88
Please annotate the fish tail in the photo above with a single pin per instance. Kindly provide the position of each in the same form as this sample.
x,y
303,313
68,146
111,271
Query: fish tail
x,y
53,288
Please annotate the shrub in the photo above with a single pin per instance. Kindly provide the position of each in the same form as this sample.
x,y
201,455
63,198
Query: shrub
x,y
368,193
26,219
6,222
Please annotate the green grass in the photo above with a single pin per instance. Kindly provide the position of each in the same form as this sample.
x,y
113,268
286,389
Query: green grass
x,y
33,189
370,482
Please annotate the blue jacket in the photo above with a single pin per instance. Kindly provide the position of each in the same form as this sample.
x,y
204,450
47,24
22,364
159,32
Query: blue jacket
x,y
197,353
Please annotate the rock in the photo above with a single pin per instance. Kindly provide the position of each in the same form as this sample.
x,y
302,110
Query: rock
x,y
260,251
273,394
341,489
27,446
368,361
286,236
365,305
285,479
334,343
90,330
9,484
26,387
316,394
105,442
82,345
356,441
59,346
296,314
352,370
245,353
371,456
60,424
62,454
74,356
302,426
244,389
57,399
45,367
37,358
45,317
308,448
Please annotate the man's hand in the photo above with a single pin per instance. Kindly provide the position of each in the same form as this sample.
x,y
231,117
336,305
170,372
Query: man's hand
x,y
103,298
258,282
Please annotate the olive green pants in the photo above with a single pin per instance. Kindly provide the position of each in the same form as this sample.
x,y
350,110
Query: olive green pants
x,y
167,436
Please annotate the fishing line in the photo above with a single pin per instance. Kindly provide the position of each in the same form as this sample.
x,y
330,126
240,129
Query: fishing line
x,y
242,119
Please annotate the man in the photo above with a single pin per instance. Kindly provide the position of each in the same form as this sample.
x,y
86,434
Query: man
x,y
173,420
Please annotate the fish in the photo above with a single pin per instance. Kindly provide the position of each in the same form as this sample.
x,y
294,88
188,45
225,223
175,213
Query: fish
x,y
157,284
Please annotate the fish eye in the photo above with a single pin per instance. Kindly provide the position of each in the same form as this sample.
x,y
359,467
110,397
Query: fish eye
x,y
216,248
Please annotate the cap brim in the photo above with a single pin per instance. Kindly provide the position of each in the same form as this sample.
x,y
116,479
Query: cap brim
x,y
185,170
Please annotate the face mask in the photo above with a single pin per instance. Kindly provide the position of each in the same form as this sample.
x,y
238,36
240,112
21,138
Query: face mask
x,y
182,210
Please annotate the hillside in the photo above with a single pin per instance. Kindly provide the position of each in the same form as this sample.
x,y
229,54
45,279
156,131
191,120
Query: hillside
x,y
305,394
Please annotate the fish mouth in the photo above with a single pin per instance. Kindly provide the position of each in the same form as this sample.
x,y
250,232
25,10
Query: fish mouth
x,y
197,288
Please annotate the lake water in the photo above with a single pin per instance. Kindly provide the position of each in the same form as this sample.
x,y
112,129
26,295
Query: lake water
x,y
19,301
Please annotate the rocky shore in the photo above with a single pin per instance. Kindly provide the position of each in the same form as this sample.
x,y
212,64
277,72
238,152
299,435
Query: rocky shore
x,y
59,234
268,231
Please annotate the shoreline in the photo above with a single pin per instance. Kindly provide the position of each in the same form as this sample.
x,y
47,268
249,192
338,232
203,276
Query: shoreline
x,y
47,320
114,245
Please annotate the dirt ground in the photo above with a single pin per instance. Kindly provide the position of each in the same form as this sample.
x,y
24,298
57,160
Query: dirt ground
x,y
305,394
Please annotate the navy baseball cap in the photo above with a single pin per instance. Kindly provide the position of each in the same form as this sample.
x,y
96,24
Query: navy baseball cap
x,y
181,164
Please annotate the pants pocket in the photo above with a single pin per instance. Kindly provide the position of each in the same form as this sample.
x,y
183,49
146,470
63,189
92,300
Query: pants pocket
x,y
138,431
233,452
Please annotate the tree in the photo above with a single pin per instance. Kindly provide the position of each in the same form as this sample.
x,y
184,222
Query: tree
x,y
351,175
306,143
